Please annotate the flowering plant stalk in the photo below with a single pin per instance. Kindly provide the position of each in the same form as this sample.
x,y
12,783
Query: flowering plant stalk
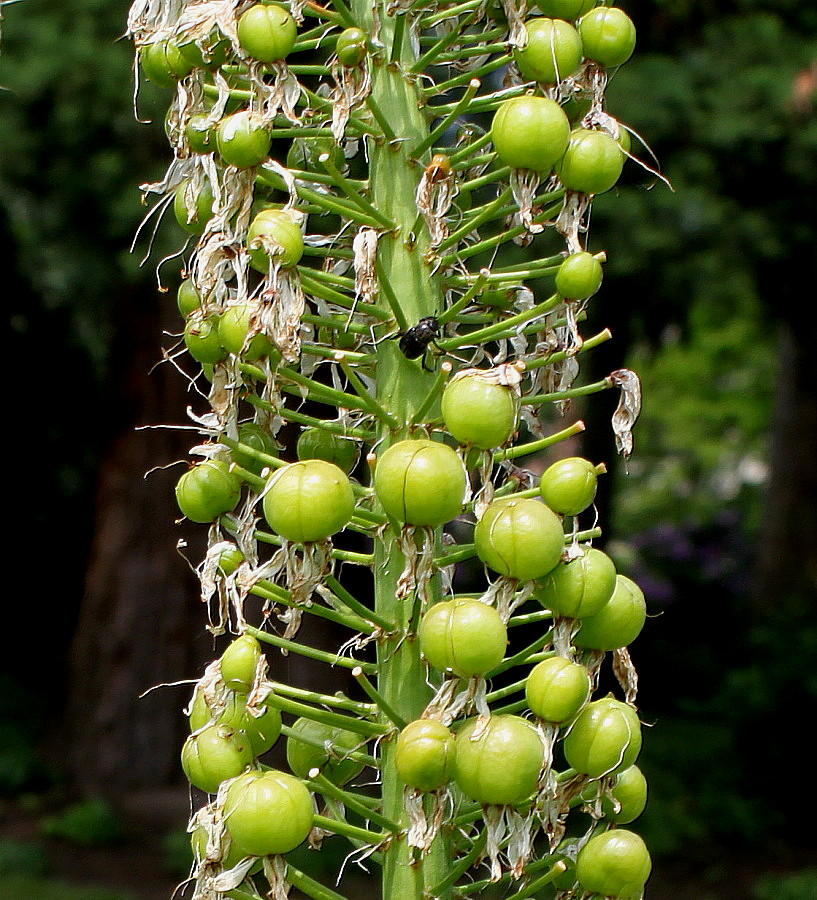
x,y
387,207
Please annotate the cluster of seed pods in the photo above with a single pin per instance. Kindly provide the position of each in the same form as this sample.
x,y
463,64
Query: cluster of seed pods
x,y
382,292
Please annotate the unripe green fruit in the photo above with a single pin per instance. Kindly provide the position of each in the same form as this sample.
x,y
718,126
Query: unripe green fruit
x,y
502,766
425,754
420,482
579,276
233,328
239,662
242,139
580,587
619,622
568,486
520,538
556,689
267,32
614,864
604,738
608,35
592,162
630,793
553,51
207,491
351,46
315,443
193,221
308,500
268,812
565,9
278,228
256,436
200,134
202,340
188,299
215,754
478,411
530,133
327,749
262,730
466,636
163,63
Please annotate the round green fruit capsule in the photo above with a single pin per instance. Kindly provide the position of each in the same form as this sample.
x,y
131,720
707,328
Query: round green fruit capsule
x,y
207,491
565,9
201,339
242,139
239,663
628,797
568,486
351,46
188,299
315,745
530,133
604,738
553,50
614,864
580,587
254,436
215,754
268,812
465,636
274,235
211,52
231,852
608,35
267,32
194,219
502,765
579,276
233,329
592,162
315,443
421,482
309,500
479,411
425,755
557,689
619,622
262,727
200,134
163,63
519,538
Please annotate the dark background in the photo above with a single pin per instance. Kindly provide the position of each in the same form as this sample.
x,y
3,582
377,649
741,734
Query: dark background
x,y
709,293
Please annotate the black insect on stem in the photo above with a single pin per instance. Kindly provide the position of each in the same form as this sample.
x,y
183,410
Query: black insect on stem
x,y
416,340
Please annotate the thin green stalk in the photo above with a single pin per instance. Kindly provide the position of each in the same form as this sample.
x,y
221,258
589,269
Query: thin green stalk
x,y
331,659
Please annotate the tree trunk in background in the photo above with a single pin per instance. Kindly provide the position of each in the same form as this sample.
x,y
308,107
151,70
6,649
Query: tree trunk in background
x,y
786,560
135,624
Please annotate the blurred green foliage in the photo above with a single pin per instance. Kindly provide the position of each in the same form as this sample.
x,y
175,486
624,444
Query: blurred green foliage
x,y
15,887
88,823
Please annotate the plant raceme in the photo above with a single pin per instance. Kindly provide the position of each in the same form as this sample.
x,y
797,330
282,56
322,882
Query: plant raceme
x,y
383,210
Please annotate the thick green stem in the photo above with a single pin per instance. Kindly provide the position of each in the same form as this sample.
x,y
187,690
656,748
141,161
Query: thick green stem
x,y
406,282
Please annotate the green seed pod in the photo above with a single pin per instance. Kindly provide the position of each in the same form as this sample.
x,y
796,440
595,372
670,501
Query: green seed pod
x,y
466,636
614,864
325,747
280,238
215,754
619,622
557,689
268,812
308,500
568,486
553,50
520,538
207,491
315,443
580,587
239,663
478,410
420,482
579,276
604,738
267,32
425,755
502,764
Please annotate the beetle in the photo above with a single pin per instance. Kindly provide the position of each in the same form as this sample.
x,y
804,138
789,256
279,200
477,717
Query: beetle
x,y
416,340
